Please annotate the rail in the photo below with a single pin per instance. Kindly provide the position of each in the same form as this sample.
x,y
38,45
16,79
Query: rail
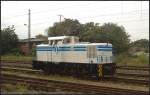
x,y
67,86
113,79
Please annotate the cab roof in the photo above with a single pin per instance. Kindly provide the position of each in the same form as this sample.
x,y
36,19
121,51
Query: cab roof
x,y
57,38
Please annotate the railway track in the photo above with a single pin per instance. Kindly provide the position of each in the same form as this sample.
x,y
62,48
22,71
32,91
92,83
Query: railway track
x,y
125,76
67,86
115,79
17,62
143,68
132,74
23,70
131,80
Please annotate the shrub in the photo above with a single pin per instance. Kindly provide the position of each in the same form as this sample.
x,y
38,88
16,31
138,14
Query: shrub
x,y
16,51
143,58
33,52
125,59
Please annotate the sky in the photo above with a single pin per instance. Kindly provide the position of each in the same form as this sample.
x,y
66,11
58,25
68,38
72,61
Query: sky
x,y
133,15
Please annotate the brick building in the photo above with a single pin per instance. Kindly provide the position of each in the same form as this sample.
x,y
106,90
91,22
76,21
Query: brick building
x,y
23,44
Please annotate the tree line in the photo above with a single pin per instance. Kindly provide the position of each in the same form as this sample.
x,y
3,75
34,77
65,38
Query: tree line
x,y
9,39
93,32
88,32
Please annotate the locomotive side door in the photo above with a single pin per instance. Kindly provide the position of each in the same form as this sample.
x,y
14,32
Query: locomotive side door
x,y
55,52
91,53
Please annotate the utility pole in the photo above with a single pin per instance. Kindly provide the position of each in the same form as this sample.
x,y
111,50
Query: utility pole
x,y
29,30
60,17
60,21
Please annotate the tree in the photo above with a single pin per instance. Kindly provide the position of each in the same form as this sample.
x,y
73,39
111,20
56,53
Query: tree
x,y
140,45
68,27
8,39
40,36
108,32
90,32
117,36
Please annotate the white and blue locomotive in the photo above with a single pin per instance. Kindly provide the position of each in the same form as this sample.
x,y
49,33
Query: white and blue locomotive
x,y
66,55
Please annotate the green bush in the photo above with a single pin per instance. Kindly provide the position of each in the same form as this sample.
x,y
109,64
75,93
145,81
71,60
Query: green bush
x,y
16,51
33,52
125,59
143,58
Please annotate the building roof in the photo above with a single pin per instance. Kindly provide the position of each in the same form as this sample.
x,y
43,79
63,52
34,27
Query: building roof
x,y
32,40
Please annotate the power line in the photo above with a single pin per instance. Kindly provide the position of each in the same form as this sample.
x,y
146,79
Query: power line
x,y
91,17
63,8
50,10
125,21
133,20
96,16
110,14
16,16
114,14
57,9
104,15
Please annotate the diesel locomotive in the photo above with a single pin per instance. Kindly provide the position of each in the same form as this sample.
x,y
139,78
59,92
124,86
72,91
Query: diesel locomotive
x,y
66,55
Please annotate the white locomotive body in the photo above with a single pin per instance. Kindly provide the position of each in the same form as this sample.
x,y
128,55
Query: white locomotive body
x,y
68,52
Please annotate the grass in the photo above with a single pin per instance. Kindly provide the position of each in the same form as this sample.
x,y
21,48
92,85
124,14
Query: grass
x,y
16,58
136,60
14,88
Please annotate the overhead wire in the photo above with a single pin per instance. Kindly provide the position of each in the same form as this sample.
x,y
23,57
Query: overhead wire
x,y
114,14
124,21
97,16
50,10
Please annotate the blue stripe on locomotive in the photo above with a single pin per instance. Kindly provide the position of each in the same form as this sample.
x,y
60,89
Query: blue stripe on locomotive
x,y
76,48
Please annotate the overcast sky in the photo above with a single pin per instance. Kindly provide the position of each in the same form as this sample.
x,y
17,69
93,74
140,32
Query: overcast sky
x,y
133,15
